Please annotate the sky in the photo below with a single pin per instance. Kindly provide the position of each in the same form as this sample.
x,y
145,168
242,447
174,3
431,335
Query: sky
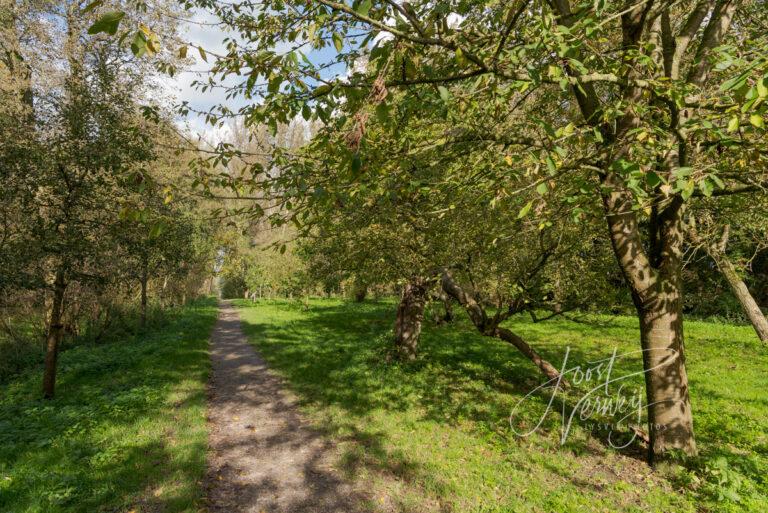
x,y
202,30
180,87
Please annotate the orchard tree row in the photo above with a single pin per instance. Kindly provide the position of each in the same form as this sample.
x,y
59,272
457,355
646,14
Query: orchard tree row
x,y
94,222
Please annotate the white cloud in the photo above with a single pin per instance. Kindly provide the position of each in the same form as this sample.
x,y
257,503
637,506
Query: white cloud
x,y
202,31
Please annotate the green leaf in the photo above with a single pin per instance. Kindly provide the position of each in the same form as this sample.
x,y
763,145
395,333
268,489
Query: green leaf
x,y
625,167
363,8
382,112
757,120
107,23
551,167
338,41
139,44
203,55
93,5
274,84
733,124
686,189
652,179
717,181
445,95
357,164
734,83
156,229
762,89
705,186
460,59
524,211
542,188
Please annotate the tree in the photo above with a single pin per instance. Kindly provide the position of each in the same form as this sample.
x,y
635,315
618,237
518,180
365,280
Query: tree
x,y
711,230
78,151
385,224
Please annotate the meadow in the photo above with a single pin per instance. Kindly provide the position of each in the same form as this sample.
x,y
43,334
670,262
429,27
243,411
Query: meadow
x,y
435,434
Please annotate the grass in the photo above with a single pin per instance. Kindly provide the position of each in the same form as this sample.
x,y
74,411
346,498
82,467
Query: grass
x,y
126,431
434,435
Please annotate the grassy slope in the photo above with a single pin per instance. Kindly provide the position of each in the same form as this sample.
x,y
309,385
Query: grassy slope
x,y
125,432
433,435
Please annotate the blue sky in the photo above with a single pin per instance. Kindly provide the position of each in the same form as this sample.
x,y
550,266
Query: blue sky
x,y
211,37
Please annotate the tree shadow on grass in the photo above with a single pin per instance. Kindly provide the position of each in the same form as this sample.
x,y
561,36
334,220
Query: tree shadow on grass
x,y
334,356
115,436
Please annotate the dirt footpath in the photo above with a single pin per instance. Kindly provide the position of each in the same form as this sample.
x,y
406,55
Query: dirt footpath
x,y
263,458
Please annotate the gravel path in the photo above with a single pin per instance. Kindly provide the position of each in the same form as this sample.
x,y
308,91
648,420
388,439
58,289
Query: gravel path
x,y
263,458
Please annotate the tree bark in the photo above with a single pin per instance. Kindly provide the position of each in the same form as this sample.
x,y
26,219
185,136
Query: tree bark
x,y
53,335
740,290
410,315
360,291
655,281
448,315
670,418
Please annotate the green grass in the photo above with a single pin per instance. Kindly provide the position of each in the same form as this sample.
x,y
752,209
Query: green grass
x,y
434,435
126,431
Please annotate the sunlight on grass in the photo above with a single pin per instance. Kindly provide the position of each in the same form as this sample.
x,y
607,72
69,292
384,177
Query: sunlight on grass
x,y
126,430
434,435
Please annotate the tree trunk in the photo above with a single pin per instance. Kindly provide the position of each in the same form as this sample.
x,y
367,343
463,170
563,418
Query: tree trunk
x,y
144,280
489,328
654,277
740,290
360,291
670,419
516,340
717,253
410,314
53,335
448,316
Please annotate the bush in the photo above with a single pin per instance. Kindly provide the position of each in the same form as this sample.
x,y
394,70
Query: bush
x,y
233,287
17,355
